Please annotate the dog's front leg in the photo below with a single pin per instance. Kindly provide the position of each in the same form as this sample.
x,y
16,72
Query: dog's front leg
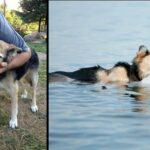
x,y
14,104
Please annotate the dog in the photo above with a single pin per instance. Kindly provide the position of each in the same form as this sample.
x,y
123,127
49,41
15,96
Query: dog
x,y
9,79
121,72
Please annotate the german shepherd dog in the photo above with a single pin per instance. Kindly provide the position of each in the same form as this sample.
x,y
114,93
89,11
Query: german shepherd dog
x,y
121,72
9,79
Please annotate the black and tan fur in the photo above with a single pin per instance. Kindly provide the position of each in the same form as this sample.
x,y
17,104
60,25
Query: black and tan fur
x,y
121,72
9,79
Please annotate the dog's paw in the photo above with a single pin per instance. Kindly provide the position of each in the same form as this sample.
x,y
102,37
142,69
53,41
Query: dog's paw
x,y
13,123
34,108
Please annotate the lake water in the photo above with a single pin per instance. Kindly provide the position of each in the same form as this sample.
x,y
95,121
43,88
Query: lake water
x,y
85,116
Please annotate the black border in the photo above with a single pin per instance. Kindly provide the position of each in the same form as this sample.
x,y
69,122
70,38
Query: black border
x,y
47,74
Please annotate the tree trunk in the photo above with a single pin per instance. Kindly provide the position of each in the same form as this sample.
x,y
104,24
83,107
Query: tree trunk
x,y
39,29
4,7
45,25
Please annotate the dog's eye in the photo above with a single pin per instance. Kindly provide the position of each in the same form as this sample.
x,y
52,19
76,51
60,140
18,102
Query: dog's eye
x,y
11,50
19,51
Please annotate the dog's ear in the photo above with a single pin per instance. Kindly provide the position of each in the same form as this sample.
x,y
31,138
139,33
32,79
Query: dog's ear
x,y
11,52
14,48
142,52
3,46
142,48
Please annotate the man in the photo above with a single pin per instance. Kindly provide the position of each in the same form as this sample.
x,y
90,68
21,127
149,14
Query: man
x,y
9,35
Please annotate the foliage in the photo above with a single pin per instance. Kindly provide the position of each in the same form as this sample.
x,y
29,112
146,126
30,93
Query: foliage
x,y
18,23
14,19
28,28
1,8
33,17
34,11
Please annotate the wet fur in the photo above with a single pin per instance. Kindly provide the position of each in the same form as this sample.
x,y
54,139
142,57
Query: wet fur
x,y
121,72
9,80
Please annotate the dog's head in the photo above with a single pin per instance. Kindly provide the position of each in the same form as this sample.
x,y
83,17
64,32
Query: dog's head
x,y
142,60
8,51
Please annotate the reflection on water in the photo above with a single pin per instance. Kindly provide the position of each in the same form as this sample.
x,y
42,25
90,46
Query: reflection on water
x,y
90,117
142,93
97,116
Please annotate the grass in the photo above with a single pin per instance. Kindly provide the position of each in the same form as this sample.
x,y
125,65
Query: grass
x,y
31,133
39,47
42,73
3,117
23,141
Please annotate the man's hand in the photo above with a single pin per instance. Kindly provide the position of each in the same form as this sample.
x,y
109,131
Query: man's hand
x,y
3,67
3,64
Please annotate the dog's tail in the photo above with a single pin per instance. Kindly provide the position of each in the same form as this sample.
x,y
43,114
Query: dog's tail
x,y
83,74
59,76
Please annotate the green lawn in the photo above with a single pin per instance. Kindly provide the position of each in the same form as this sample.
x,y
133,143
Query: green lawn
x,y
39,47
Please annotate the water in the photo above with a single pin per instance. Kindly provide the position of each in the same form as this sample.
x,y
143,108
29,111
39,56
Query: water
x,y
85,116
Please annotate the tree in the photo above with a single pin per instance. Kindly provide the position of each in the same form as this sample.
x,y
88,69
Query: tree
x,y
4,7
34,10
13,19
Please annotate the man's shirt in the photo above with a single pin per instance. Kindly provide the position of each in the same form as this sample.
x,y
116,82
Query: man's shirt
x,y
9,35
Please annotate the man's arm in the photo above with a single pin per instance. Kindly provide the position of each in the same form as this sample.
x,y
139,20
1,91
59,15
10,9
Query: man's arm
x,y
19,60
9,35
